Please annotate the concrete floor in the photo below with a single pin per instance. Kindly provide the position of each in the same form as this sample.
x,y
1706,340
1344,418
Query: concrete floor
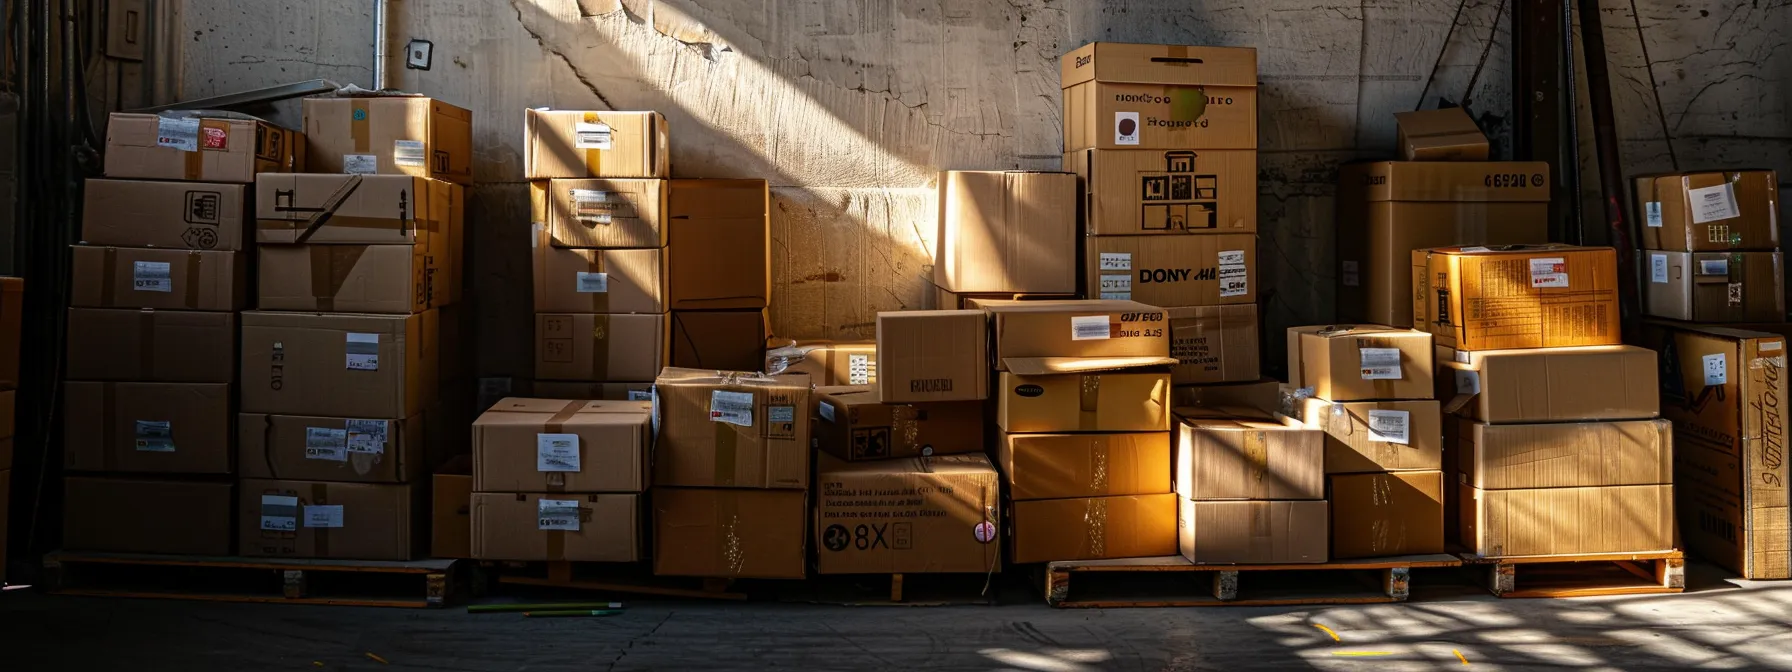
x,y
1720,625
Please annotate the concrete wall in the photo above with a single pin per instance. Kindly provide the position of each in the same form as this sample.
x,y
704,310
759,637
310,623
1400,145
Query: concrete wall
x,y
850,107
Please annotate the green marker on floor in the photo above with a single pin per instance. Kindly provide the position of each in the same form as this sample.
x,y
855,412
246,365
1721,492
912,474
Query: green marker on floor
x,y
571,613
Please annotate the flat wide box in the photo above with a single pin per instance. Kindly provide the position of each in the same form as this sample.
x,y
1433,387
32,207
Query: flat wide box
x,y
147,515
301,364
1056,466
451,514
1359,362
919,515
1366,436
1713,287
1709,211
719,233
1112,401
1006,231
1179,191
592,143
729,533
601,213
1074,328
375,521
1439,135
1600,382
390,135
569,280
361,209
347,278
310,448
135,277
933,355
1386,514
724,429
176,215
719,340
1225,458
1093,528
1560,521
1172,270
608,348
164,346
854,423
1532,296
1213,344
229,150
1565,454
1198,97
167,428
611,441
507,526
826,363
1252,532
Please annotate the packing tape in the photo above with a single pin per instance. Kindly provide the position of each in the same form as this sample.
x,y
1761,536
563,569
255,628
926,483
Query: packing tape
x,y
146,344
733,552
726,438
556,539
594,157
358,121
403,224
320,536
1098,465
1089,401
1095,524
600,347
556,424
195,263
600,301
1261,522
1256,454
905,429
108,276
109,426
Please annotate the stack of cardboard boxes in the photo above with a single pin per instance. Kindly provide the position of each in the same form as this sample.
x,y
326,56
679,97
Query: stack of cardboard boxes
x,y
1712,245
1251,490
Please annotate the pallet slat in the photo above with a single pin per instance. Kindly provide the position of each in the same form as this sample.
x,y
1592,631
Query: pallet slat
x,y
1600,574
421,583
1357,581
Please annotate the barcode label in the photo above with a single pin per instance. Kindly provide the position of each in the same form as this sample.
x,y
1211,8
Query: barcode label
x,y
363,351
324,443
1658,268
279,513
323,515
1234,277
593,283
640,395
591,136
1116,261
155,436
1090,328
360,164
1713,203
181,134
592,205
734,408
858,369
1714,267
152,276
367,436
409,153
556,452
558,514
1653,214
1549,272
1380,363
1116,286
1391,427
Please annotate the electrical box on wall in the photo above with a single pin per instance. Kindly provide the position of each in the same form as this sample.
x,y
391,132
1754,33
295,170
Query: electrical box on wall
x,y
125,29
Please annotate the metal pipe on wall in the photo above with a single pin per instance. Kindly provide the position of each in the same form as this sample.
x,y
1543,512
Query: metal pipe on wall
x,y
379,45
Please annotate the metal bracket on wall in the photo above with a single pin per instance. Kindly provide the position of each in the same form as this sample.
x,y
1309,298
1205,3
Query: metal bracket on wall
x,y
251,97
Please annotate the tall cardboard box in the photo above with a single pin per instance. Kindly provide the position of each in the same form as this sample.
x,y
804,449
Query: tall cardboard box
x,y
605,348
168,428
731,430
1093,528
339,365
586,527
855,423
826,363
559,446
1386,514
719,237
1176,191
317,519
1159,96
1213,344
360,209
1252,532
1439,135
600,213
1124,332
1047,400
719,340
309,448
1006,231
1248,459
1353,363
1059,466
169,346
1531,296
162,279
390,135
918,515
730,533
933,355
178,215
1710,287
1368,436
147,515
1600,382
451,510
579,143
184,146
1709,211
1172,270
1612,519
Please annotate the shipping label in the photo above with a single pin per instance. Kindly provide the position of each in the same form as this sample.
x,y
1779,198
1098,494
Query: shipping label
x,y
557,514
360,164
1391,427
1652,214
279,513
367,436
1717,370
592,283
363,351
1090,328
858,369
1658,268
323,515
1549,272
1713,203
556,452
155,436
1380,363
181,134
152,276
1714,267
734,408
409,153
1116,261
325,443
591,136
1234,279
1116,286
593,206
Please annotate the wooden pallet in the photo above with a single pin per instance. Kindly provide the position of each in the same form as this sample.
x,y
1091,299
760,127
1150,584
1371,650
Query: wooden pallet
x,y
1165,582
612,577
363,583
1582,575
921,589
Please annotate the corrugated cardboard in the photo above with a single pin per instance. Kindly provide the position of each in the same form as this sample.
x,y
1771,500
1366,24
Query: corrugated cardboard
x,y
1213,344
916,515
229,150
508,526
147,515
933,355
171,346
1712,287
826,363
1093,528
12,317
945,300
451,510
559,389
1173,270
1439,135
375,522
1725,392
1246,532
1248,459
300,364
178,215
721,340
712,435
362,209
1385,514
1619,519
598,213
729,533
1565,455
390,135
1700,212
1006,231
1140,191
720,244
1531,296
1377,435
1159,96
1600,382
1110,401
309,448
118,427
345,278
854,423
1262,395
610,446
609,348
134,277
1358,362
577,144
1041,329
1054,466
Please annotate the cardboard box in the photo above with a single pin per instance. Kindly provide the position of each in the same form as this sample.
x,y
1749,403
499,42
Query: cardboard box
x,y
920,515
1601,382
1248,459
730,533
1359,362
12,317
1439,135
155,147
1054,466
168,346
451,510
135,277
856,424
1253,532
559,389
612,348
605,214
560,446
345,278
1617,519
1107,401
1093,528
168,428
1174,270
732,430
1006,231
177,215
1725,392
1369,436
1262,395
387,134
1386,514
339,366
826,363
1706,212
719,233
577,144
1123,332
309,448
1141,191
1159,96
316,519
1213,344
1715,286
1387,209
721,340
1565,454
1533,296
518,526
946,300
147,515
933,355
360,209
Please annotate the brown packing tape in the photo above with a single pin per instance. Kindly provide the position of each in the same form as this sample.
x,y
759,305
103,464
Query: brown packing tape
x,y
1098,466
556,424
146,344
320,536
109,426
359,118
905,428
1256,454
600,301
1090,400
195,264
1095,524
108,276
600,347
727,436
594,157
733,557
346,221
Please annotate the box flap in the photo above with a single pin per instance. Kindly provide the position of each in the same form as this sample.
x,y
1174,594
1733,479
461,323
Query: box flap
x,y
1158,64
1040,366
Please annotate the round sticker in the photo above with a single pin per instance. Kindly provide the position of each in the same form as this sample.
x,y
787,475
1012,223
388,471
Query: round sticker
x,y
926,451
985,532
835,538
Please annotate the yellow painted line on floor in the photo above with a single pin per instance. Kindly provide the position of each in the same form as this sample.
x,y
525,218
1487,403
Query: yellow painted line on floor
x,y
1362,653
1328,631
1458,653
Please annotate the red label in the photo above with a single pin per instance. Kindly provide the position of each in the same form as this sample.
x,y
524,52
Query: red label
x,y
214,138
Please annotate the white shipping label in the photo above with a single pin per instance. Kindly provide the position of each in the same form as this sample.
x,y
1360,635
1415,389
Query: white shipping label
x,y
1090,328
593,283
592,205
1770,346
827,412
1116,261
360,164
640,395
591,136
1652,214
363,351
1391,427
557,514
858,369
1549,272
1116,286
1126,128
324,443
155,436
1234,279
323,515
777,414
152,276
1713,203
1717,371
1380,363
1658,268
409,153
279,513
181,134
734,408
556,452
367,436
1468,382
1351,277
1714,267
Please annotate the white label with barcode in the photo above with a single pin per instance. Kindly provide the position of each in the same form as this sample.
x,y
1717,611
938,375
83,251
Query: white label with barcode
x,y
323,515
640,395
155,436
1770,346
367,436
592,205
1391,427
591,136
181,134
734,408
1116,287
363,351
1380,363
409,153
1717,370
557,514
1549,272
556,452
360,164
152,276
1652,214
1090,328
1658,268
324,443
1116,261
1713,203
593,283
279,513
1714,267
858,369
827,412
1234,277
